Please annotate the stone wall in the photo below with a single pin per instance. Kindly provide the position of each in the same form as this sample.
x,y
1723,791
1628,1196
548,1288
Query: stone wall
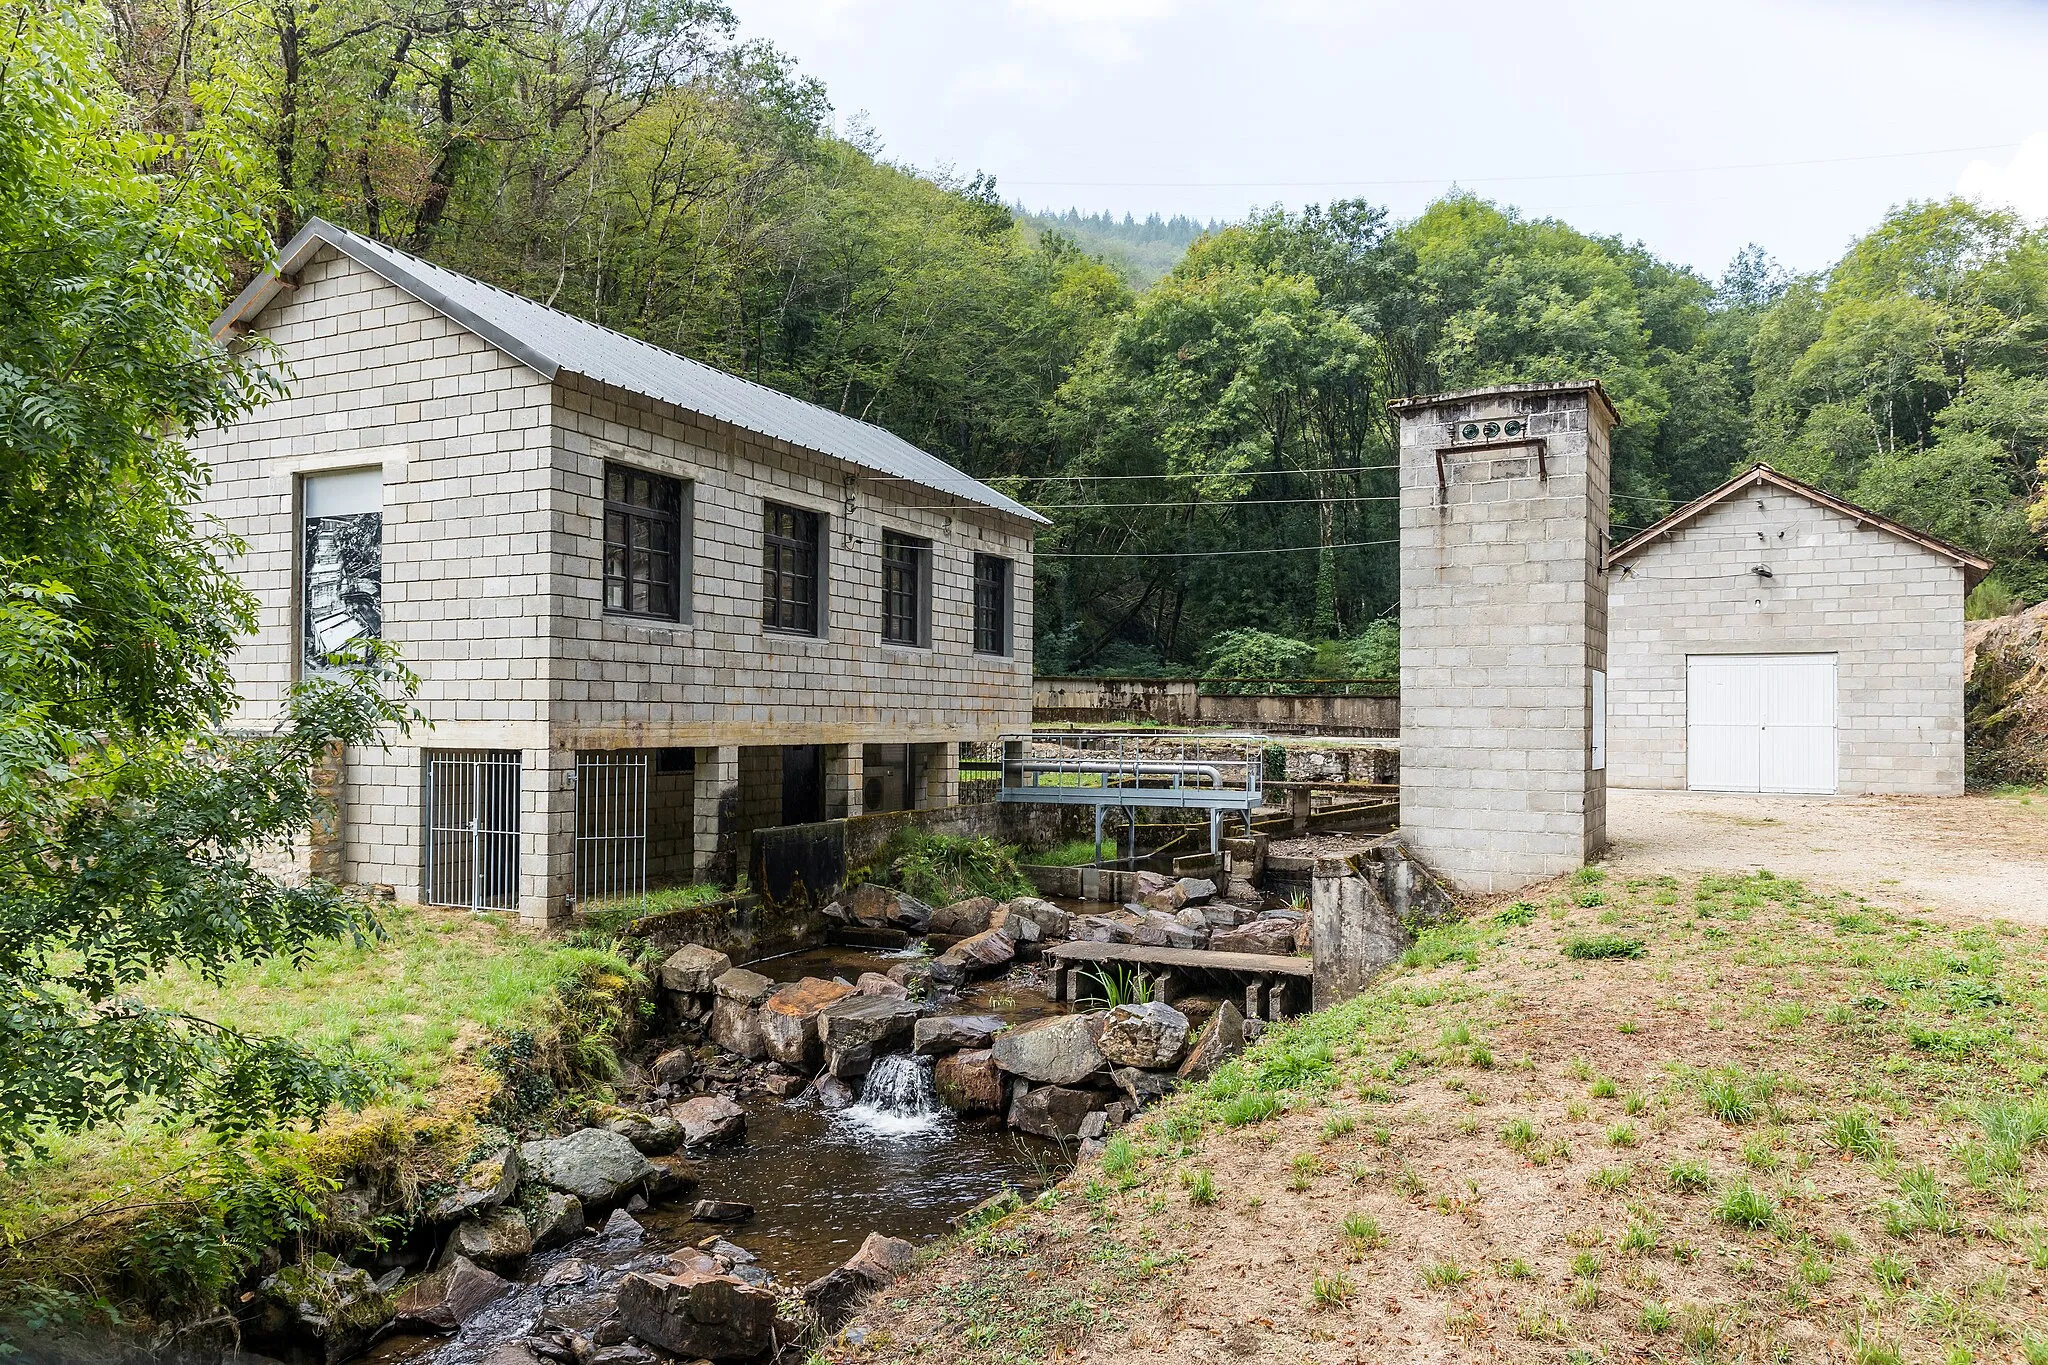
x,y
1503,624
1890,611
1181,702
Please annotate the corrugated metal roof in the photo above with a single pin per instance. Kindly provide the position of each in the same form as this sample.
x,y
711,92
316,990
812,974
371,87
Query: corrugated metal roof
x,y
550,341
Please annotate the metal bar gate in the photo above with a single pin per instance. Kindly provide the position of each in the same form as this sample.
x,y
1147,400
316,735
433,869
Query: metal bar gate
x,y
473,828
611,827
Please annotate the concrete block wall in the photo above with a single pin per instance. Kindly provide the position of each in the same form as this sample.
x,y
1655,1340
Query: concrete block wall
x,y
1890,610
492,581
721,671
1503,623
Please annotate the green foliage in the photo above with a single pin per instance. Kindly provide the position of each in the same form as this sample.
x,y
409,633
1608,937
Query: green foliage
x,y
1252,1107
1126,987
1255,654
1856,1133
1375,652
1689,1177
131,829
943,868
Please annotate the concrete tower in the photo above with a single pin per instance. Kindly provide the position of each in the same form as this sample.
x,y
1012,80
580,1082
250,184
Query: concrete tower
x,y
1504,630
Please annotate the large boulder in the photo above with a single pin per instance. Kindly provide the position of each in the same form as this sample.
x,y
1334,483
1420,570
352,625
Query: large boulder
x,y
484,1185
321,1300
557,1221
698,1314
1056,1051
1221,1039
736,1027
969,1081
1197,890
691,970
748,988
673,1175
450,1297
874,983
653,1134
594,1164
1016,928
855,1031
881,907
1054,1111
1052,922
1144,1087
1149,1035
789,1020
1104,929
499,1239
880,1262
1168,898
952,1032
710,1119
914,976
963,919
675,1067
988,951
1274,937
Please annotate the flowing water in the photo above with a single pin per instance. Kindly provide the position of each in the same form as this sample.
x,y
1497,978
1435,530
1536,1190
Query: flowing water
x,y
896,1162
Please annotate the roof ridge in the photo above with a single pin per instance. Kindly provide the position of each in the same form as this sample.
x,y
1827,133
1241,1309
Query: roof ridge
x,y
521,330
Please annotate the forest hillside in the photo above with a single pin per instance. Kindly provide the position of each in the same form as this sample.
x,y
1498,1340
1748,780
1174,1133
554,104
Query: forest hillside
x,y
1201,409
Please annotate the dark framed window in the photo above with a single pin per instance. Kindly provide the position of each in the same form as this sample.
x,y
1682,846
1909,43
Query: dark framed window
x,y
991,605
789,569
644,539
906,570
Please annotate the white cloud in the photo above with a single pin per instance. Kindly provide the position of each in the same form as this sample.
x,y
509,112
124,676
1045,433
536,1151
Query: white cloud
x,y
1011,81
2021,183
1102,29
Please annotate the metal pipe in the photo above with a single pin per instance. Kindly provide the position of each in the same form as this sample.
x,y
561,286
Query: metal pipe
x,y
1137,769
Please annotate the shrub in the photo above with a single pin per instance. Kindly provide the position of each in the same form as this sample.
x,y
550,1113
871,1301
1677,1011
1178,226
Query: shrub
x,y
1590,947
943,868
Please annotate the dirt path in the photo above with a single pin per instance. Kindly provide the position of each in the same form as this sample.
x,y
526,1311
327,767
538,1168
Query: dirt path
x,y
1981,856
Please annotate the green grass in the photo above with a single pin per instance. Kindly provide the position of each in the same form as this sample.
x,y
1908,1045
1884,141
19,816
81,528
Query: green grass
x,y
940,869
614,915
1592,947
1745,1206
423,1007
1072,853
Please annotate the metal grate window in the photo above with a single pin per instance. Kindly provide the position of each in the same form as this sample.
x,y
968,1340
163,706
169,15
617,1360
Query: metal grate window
x,y
643,544
991,605
473,828
789,569
904,560
611,827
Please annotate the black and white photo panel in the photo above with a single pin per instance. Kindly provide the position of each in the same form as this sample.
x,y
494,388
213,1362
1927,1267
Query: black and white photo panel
x,y
343,588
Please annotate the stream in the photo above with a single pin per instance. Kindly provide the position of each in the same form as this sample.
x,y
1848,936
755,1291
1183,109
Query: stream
x,y
896,1162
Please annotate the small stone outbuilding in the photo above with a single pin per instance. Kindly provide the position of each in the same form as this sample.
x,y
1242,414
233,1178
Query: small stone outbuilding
x,y
1770,637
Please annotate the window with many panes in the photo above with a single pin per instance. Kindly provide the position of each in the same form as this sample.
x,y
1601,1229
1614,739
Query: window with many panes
x,y
644,540
991,605
789,569
906,561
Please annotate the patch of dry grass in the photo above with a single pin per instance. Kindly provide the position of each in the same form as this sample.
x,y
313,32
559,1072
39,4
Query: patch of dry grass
x,y
1834,1149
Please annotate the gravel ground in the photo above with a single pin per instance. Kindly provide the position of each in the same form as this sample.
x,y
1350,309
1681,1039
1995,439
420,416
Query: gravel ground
x,y
1983,856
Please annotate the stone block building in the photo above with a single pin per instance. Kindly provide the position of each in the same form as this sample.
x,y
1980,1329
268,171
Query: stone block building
x,y
652,606
1504,630
1770,637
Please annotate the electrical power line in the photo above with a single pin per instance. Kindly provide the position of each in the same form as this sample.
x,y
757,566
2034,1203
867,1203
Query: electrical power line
x,y
1105,506
1218,554
1508,179
1178,474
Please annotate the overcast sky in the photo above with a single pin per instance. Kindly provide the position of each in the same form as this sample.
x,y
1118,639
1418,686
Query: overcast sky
x,y
1665,122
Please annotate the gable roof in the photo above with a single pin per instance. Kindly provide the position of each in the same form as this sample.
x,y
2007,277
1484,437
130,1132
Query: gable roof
x,y
550,342
1974,567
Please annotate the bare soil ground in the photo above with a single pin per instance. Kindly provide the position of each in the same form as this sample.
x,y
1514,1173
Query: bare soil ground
x,y
1776,1123
1967,855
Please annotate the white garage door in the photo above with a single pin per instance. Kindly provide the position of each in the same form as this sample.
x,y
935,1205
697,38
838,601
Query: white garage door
x,y
1760,722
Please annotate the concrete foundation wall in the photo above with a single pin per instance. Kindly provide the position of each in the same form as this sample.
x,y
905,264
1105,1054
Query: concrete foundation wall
x,y
1503,623
1181,702
1890,611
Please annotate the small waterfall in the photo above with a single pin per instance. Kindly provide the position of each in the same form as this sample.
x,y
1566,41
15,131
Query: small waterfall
x,y
897,1098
